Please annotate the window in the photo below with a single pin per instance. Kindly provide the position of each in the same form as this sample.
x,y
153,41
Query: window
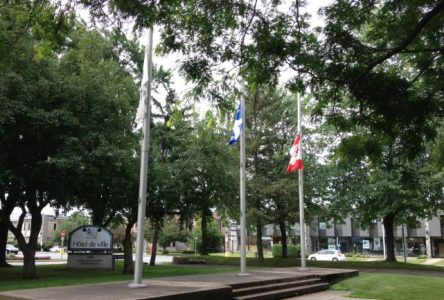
x,y
55,226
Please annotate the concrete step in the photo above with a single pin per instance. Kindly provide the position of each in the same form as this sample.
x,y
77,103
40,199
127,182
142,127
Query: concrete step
x,y
247,284
274,286
285,293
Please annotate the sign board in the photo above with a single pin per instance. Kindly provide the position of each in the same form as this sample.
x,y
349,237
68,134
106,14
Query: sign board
x,y
90,261
90,237
377,244
322,226
365,244
331,247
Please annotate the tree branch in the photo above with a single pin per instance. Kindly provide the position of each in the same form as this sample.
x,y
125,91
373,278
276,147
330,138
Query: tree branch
x,y
409,39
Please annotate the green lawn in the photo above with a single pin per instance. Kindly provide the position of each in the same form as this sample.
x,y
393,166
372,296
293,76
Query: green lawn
x,y
393,287
439,263
294,262
58,275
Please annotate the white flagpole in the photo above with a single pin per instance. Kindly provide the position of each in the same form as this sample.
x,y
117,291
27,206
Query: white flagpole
x,y
143,166
243,259
301,194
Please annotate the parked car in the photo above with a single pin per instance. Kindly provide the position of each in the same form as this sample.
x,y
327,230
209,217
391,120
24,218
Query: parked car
x,y
54,249
11,249
328,255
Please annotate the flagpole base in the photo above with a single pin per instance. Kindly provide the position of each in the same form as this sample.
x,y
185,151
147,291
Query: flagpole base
x,y
137,285
242,274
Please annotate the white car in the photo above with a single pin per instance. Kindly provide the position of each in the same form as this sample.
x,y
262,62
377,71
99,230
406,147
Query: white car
x,y
11,249
54,249
328,255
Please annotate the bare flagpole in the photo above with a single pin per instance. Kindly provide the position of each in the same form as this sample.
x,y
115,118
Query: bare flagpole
x,y
243,259
146,94
301,194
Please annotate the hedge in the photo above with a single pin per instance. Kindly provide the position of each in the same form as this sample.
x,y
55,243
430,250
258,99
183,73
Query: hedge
x,y
292,250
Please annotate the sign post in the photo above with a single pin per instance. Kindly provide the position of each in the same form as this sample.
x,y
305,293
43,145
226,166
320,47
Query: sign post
x,y
62,238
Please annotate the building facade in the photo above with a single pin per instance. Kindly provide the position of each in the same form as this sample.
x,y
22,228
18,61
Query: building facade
x,y
348,236
46,234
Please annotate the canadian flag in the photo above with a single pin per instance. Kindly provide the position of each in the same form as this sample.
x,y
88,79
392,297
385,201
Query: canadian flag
x,y
296,162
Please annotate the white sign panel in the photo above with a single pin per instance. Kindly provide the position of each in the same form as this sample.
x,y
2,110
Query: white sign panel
x,y
365,244
90,238
377,244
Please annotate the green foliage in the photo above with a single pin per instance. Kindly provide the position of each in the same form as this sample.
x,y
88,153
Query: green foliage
x,y
294,251
75,220
214,237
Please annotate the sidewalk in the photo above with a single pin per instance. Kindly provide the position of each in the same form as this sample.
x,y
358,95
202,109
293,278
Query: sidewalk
x,y
191,287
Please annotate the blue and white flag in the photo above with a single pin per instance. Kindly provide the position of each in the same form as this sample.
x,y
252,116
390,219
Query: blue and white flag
x,y
237,126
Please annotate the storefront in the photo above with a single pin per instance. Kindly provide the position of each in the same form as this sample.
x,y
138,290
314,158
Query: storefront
x,y
438,247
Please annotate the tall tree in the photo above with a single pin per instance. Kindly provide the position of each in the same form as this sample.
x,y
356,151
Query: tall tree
x,y
207,170
34,122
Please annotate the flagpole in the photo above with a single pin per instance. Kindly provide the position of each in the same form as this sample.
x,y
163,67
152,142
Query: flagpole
x,y
243,259
301,194
143,166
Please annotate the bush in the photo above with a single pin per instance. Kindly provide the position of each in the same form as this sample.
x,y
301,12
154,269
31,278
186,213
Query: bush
x,y
348,254
292,250
422,256
187,251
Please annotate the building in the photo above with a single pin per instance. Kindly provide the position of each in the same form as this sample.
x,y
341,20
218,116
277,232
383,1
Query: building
x,y
348,236
46,234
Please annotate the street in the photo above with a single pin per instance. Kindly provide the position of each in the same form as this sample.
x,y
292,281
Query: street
x,y
57,259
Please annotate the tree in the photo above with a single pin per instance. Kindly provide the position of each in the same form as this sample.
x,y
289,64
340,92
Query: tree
x,y
34,121
213,237
75,220
207,169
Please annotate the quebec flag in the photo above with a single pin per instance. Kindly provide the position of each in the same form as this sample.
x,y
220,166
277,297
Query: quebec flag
x,y
237,126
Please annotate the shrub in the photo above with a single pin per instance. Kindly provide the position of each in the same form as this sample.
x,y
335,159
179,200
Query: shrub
x,y
422,256
292,250
348,254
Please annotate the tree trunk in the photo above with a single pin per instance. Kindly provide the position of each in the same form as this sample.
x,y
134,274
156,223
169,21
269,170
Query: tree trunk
x,y
29,263
283,229
3,242
155,242
203,225
389,237
260,248
5,214
128,263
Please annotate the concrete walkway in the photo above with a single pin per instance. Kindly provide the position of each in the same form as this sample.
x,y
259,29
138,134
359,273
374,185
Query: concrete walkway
x,y
192,287
432,261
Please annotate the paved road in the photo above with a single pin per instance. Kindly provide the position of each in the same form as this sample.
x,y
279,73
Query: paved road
x,y
57,259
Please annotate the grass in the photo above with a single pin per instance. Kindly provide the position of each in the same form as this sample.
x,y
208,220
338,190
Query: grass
x,y
294,262
393,287
439,263
59,275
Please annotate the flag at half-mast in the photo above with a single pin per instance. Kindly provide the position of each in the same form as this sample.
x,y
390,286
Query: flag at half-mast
x,y
296,162
143,93
237,128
